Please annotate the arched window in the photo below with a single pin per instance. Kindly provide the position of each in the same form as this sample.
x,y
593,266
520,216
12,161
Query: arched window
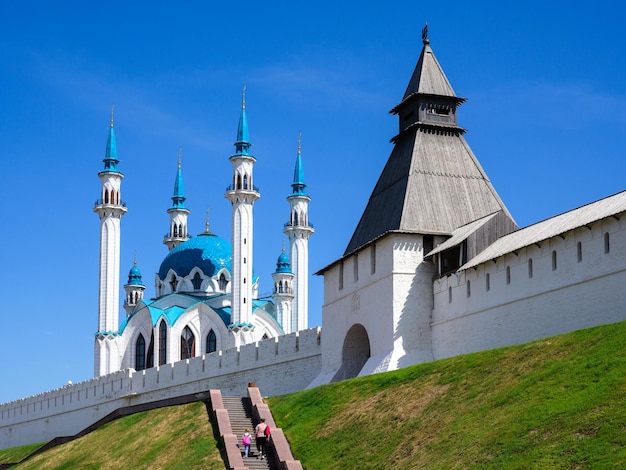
x,y
197,281
174,283
238,182
150,357
295,218
187,344
175,234
162,343
245,181
280,287
211,342
223,282
112,197
106,196
140,353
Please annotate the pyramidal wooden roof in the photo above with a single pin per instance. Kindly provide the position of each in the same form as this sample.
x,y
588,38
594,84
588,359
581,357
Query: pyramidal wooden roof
x,y
432,182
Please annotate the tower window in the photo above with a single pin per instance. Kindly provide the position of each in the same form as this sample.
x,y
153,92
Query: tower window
x,y
373,259
469,289
197,281
530,268
508,274
211,342
554,260
341,276
356,267
487,282
607,246
223,282
140,353
579,251
449,295
162,343
187,344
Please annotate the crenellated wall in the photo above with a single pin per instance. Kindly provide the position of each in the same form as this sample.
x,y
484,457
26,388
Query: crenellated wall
x,y
279,365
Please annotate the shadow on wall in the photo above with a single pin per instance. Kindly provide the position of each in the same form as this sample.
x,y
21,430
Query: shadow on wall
x,y
355,353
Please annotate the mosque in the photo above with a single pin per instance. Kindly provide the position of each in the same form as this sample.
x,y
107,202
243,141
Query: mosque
x,y
206,292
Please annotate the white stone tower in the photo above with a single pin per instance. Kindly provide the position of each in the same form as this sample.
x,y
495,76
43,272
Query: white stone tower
x,y
282,294
298,229
242,194
110,209
178,212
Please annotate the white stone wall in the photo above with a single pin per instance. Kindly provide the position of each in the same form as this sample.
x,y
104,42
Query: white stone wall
x,y
278,366
393,303
568,290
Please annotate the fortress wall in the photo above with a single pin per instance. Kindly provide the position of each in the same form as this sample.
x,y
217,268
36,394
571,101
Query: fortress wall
x,y
549,288
276,365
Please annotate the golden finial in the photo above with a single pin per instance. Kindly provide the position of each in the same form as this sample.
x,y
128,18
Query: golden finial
x,y
299,139
243,98
283,244
206,223
180,153
112,110
135,259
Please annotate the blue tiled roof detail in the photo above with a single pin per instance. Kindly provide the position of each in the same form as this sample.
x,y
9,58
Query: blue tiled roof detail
x,y
178,200
134,276
208,252
283,265
242,145
298,184
110,155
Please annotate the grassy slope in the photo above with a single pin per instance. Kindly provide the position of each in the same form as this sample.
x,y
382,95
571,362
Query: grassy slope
x,y
554,403
178,437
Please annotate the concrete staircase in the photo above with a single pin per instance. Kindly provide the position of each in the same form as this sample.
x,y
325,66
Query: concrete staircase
x,y
240,416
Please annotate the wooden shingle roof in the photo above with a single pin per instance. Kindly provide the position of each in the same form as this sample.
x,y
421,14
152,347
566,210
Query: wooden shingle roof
x,y
432,182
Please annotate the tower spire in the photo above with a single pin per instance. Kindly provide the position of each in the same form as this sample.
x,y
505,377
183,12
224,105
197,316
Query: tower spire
x,y
299,230
110,210
242,145
178,212
242,194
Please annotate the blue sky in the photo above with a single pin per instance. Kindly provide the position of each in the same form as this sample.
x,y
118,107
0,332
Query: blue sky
x,y
545,116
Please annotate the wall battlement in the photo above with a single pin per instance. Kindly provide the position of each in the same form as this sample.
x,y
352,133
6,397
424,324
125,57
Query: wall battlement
x,y
64,411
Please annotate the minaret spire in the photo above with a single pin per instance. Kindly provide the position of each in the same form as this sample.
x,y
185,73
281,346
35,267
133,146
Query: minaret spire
x,y
178,212
242,194
299,230
110,210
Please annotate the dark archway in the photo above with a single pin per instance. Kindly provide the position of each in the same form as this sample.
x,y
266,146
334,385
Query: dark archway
x,y
355,353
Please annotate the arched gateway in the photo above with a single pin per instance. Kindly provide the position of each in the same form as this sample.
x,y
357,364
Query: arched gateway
x,y
355,353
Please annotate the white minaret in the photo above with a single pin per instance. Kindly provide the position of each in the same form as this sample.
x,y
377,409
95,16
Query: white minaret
x,y
282,294
178,212
298,229
242,195
110,209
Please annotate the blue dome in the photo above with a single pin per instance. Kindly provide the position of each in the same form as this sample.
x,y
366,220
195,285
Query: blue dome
x,y
134,276
282,264
208,252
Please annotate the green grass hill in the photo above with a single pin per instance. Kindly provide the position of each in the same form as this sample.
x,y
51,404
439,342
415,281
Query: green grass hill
x,y
556,403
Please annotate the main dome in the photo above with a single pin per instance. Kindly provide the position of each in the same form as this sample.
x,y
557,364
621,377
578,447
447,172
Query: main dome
x,y
207,251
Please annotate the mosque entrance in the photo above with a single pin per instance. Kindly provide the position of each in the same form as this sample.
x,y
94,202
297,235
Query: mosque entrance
x,y
355,353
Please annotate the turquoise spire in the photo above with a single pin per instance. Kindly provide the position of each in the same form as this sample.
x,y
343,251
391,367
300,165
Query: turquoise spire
x,y
134,275
110,156
283,265
243,139
178,199
298,184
